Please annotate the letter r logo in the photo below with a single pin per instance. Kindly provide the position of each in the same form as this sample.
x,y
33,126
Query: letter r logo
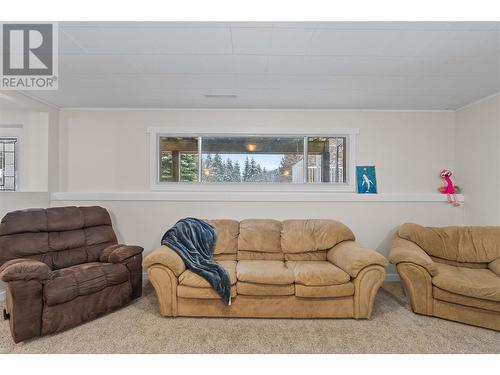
x,y
27,49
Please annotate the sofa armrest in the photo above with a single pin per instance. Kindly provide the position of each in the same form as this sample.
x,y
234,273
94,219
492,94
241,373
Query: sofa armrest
x,y
167,257
495,266
352,257
119,253
24,269
407,251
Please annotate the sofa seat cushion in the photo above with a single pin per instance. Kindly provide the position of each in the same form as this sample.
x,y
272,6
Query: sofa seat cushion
x,y
68,283
190,278
184,291
477,283
253,289
327,291
446,296
317,273
272,272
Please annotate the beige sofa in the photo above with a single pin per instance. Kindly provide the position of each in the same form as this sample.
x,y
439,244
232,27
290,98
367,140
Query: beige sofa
x,y
289,269
451,272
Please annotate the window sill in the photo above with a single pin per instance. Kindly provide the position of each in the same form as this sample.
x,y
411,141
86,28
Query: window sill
x,y
184,187
24,192
248,196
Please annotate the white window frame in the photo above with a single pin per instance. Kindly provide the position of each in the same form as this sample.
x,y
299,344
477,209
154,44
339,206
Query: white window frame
x,y
154,168
14,131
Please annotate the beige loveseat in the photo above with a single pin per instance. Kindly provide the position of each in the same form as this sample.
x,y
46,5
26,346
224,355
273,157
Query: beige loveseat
x,y
289,269
451,272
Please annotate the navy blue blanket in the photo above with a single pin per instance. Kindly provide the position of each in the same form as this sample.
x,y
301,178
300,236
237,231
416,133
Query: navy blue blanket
x,y
194,241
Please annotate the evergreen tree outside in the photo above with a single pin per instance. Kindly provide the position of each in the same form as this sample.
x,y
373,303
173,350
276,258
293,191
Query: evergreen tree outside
x,y
286,164
264,175
236,176
246,170
189,167
208,173
258,174
166,166
252,174
228,171
218,168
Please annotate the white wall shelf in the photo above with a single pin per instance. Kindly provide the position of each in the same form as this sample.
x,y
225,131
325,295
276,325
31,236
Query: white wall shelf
x,y
248,196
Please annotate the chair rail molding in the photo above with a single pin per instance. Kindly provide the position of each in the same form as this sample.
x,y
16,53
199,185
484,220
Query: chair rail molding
x,y
245,195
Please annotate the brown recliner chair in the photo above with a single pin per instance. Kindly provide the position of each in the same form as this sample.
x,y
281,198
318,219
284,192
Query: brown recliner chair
x,y
62,266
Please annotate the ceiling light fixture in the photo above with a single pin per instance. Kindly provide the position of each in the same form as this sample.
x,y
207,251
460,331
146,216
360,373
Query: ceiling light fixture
x,y
251,147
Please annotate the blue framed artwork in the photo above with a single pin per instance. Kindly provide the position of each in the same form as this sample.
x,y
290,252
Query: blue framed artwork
x,y
366,179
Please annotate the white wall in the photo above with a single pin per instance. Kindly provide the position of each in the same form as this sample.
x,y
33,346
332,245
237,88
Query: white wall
x,y
477,150
109,151
31,129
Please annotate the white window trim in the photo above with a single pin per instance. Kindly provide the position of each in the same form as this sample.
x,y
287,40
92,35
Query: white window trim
x,y
155,185
14,131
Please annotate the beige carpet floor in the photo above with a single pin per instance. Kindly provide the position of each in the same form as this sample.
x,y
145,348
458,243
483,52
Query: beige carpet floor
x,y
139,328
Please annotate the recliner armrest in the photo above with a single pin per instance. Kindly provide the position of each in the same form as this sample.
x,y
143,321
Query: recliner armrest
x,y
352,257
495,266
119,253
24,269
167,257
407,251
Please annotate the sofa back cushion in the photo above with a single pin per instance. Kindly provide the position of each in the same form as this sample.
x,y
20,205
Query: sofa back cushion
x,y
459,244
310,239
227,232
260,239
59,236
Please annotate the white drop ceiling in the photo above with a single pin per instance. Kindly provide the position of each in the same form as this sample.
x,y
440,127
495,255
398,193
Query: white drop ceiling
x,y
296,65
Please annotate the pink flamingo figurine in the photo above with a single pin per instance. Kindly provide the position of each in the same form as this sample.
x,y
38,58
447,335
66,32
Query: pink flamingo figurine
x,y
449,189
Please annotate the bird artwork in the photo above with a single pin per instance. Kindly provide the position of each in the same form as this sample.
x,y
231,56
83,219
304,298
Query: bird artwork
x,y
367,182
449,188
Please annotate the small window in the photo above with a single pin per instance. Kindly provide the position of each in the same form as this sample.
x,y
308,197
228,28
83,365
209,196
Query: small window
x,y
255,159
178,159
8,163
326,159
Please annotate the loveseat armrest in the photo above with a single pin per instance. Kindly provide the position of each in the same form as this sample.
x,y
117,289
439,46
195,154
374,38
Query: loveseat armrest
x,y
405,251
352,257
495,266
24,269
119,253
166,256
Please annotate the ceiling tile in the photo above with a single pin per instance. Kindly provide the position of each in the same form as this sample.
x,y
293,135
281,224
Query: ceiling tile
x,y
200,64
278,41
461,43
251,40
67,45
98,64
349,42
151,40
